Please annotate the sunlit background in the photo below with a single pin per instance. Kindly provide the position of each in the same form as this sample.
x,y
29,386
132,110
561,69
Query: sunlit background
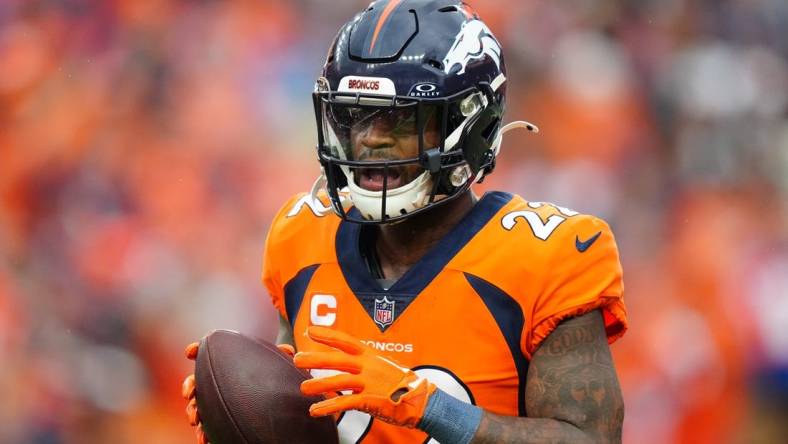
x,y
146,144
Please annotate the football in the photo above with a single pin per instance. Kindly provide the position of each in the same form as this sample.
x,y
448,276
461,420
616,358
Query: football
x,y
248,392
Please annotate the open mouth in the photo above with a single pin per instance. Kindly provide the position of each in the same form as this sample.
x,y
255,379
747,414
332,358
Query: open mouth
x,y
372,179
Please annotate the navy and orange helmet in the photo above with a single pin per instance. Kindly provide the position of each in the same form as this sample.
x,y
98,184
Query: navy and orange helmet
x,y
419,63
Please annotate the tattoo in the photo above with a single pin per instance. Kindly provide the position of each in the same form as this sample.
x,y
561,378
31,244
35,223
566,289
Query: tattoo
x,y
572,392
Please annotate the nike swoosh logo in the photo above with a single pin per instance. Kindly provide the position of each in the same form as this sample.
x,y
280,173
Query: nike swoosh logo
x,y
582,246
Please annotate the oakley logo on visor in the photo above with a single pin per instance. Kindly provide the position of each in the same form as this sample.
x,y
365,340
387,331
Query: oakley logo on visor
x,y
372,85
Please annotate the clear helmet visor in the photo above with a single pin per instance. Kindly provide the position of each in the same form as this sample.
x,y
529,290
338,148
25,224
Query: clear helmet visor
x,y
379,147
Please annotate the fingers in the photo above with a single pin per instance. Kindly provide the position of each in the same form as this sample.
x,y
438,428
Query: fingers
x,y
201,439
335,405
336,339
331,384
191,350
188,388
191,412
188,391
286,349
328,361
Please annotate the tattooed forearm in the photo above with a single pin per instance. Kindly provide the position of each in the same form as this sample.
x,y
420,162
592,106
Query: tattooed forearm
x,y
572,378
572,393
511,429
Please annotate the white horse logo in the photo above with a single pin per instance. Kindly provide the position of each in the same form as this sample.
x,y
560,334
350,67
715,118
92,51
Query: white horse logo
x,y
474,41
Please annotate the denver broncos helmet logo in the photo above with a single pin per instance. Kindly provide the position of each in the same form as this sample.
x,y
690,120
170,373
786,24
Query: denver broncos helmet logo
x,y
473,42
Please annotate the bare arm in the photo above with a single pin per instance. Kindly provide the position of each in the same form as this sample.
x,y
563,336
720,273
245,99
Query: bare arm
x,y
572,392
285,335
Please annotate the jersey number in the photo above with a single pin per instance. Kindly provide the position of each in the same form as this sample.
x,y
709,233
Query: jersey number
x,y
541,229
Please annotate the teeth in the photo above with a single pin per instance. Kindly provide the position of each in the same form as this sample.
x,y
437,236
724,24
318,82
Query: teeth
x,y
377,174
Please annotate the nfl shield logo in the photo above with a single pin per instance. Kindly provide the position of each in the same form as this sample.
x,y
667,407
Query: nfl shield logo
x,y
384,311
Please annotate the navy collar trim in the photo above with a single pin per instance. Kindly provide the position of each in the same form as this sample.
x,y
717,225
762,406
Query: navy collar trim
x,y
419,276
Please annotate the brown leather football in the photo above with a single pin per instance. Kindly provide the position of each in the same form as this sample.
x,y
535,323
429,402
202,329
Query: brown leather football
x,y
248,392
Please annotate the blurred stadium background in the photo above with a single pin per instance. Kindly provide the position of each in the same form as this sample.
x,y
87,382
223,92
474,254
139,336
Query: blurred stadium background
x,y
145,145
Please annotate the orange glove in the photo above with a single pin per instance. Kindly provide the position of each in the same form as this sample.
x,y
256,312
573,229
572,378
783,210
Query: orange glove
x,y
189,390
380,387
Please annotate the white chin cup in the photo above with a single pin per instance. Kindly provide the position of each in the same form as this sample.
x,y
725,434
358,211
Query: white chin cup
x,y
399,201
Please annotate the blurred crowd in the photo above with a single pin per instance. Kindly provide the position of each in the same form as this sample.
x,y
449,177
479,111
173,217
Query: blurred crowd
x,y
145,146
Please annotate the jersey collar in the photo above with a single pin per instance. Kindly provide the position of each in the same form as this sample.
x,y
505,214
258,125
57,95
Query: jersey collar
x,y
422,273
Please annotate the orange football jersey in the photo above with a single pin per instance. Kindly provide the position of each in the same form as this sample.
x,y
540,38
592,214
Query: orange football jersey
x,y
468,316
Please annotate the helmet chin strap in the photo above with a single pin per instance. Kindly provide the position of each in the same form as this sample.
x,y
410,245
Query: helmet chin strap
x,y
319,184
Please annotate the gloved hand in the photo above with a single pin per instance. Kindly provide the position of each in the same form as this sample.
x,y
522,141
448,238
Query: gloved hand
x,y
380,387
189,390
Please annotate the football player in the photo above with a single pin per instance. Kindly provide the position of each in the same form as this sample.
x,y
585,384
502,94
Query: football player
x,y
424,311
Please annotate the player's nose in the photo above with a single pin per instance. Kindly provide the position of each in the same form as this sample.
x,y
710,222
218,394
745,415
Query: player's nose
x,y
378,134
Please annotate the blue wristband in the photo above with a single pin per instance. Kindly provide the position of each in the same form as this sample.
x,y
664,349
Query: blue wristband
x,y
449,420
